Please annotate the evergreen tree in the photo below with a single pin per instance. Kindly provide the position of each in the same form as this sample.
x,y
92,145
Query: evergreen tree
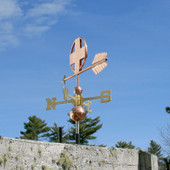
x,y
53,135
155,148
35,129
88,127
167,109
167,162
123,144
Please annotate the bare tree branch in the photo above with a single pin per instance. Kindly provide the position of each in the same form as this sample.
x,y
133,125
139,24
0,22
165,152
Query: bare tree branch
x,y
165,135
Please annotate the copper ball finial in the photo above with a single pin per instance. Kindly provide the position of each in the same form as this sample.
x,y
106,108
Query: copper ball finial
x,y
78,90
77,113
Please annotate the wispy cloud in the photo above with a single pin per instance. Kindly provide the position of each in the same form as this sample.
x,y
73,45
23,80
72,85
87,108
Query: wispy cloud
x,y
50,8
9,9
36,29
27,18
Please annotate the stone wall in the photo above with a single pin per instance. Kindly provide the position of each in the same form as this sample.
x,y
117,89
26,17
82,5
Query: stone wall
x,y
17,154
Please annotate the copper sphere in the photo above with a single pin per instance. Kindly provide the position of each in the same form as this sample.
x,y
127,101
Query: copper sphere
x,y
78,90
77,113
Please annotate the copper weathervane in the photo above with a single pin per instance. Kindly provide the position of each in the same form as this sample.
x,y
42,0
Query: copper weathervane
x,y
78,57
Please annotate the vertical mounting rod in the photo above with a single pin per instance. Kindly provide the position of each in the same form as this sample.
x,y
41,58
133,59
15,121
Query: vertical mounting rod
x,y
77,133
60,135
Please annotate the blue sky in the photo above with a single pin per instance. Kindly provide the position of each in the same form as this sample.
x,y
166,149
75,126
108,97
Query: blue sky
x,y
35,42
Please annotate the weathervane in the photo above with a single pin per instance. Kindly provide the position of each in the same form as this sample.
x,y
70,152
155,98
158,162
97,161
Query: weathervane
x,y
78,57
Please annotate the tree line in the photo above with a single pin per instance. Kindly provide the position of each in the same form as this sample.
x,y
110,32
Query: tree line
x,y
37,129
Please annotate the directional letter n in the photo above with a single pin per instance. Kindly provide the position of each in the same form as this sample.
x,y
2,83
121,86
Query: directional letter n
x,y
51,104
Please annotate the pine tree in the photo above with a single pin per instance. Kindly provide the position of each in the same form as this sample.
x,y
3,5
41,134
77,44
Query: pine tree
x,y
53,135
123,144
155,148
35,129
167,162
88,127
167,109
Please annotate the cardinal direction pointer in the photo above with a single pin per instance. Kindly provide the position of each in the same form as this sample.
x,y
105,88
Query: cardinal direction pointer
x,y
87,105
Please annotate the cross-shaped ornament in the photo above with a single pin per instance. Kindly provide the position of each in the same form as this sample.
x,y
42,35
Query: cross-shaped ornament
x,y
78,54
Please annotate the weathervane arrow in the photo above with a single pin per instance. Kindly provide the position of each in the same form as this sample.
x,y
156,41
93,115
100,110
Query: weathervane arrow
x,y
98,64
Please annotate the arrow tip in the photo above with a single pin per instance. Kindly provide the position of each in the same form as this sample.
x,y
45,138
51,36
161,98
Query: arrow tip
x,y
63,80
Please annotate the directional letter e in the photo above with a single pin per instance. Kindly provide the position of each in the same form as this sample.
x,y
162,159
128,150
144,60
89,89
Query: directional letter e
x,y
105,96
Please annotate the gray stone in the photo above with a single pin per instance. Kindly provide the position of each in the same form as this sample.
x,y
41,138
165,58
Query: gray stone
x,y
19,154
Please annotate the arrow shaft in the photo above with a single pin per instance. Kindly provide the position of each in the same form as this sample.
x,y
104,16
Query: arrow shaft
x,y
92,98
63,102
105,97
88,68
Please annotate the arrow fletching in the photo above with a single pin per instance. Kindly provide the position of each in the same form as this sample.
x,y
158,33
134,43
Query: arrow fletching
x,y
98,59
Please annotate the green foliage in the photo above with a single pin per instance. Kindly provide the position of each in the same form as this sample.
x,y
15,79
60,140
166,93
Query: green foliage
x,y
35,129
167,109
17,158
1,161
40,152
33,166
155,148
5,159
123,144
10,148
102,162
167,161
101,145
44,167
65,161
88,127
53,135
113,152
